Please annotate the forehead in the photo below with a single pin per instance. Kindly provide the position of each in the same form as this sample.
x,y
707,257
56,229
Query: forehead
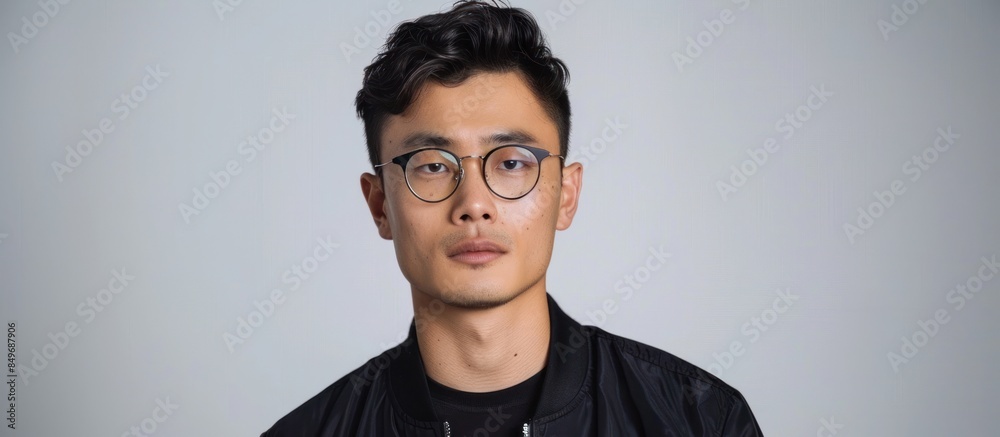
x,y
484,110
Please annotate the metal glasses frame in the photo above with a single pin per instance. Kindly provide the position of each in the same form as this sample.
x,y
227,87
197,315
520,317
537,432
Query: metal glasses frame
x,y
402,160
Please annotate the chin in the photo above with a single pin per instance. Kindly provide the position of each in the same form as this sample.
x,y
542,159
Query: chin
x,y
479,299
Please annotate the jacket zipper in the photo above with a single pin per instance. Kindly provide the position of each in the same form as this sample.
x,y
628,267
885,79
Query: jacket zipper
x,y
525,429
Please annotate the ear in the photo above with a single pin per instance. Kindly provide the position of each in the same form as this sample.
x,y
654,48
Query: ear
x,y
572,183
371,188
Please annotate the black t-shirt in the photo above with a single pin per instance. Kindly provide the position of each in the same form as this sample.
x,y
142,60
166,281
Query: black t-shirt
x,y
498,413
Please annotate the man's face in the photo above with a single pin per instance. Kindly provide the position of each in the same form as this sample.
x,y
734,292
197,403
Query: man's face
x,y
471,119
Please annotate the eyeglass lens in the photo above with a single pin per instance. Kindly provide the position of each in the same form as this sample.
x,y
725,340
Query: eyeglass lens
x,y
511,171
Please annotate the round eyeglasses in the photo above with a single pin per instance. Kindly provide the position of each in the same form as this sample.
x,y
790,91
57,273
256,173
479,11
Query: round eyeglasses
x,y
433,174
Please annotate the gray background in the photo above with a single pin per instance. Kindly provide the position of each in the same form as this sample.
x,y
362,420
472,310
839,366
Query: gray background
x,y
824,359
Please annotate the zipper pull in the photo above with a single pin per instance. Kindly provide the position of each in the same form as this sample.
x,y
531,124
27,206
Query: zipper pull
x,y
526,429
447,429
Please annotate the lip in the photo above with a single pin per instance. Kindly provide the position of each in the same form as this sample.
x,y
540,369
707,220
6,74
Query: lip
x,y
476,251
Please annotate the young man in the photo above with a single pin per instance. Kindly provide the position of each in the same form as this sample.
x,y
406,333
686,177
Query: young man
x,y
467,122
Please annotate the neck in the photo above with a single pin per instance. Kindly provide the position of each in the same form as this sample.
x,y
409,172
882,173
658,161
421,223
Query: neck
x,y
482,350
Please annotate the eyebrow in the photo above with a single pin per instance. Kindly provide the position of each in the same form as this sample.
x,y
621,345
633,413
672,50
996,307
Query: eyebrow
x,y
425,139
429,139
507,137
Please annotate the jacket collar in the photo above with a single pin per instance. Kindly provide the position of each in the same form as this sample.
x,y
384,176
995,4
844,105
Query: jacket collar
x,y
566,369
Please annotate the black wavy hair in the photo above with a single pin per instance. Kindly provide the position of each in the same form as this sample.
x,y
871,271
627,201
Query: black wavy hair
x,y
451,46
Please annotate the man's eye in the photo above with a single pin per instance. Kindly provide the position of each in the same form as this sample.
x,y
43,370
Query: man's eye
x,y
512,164
433,168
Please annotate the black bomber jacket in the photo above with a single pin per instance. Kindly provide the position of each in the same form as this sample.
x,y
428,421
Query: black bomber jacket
x,y
596,384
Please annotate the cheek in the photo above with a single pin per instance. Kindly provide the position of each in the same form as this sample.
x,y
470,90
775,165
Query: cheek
x,y
403,212
412,249
537,210
413,233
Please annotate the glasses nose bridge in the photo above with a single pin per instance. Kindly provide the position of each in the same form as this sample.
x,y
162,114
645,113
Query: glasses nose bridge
x,y
461,166
462,159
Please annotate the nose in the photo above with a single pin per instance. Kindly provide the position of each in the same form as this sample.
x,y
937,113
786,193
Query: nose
x,y
473,199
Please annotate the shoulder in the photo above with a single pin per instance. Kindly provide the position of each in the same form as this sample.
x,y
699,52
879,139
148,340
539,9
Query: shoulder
x,y
330,411
666,379
659,361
